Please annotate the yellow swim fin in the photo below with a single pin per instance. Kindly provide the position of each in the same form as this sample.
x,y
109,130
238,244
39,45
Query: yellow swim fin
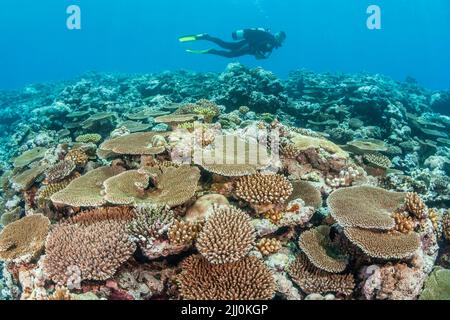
x,y
187,38
192,37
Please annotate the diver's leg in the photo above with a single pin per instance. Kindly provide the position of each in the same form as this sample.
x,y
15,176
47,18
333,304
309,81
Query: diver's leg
x,y
224,44
230,54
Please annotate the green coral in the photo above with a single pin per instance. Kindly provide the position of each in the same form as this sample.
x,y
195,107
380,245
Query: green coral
x,y
89,138
437,286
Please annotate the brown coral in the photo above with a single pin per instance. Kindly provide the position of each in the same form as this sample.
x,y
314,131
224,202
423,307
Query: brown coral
x,y
403,222
141,143
377,160
268,246
231,156
415,205
313,280
364,207
446,225
263,192
289,151
246,279
273,215
164,186
227,236
307,192
26,179
183,232
77,156
60,171
24,239
315,243
384,245
93,246
85,191
47,191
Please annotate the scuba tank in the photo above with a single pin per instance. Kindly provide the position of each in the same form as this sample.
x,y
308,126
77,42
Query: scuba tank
x,y
240,34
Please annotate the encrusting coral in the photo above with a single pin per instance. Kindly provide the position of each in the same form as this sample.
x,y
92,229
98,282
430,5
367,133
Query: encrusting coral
x,y
23,240
263,192
227,236
91,246
246,279
313,280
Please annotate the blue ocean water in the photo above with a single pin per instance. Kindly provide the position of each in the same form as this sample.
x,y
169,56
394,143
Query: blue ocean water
x,y
141,36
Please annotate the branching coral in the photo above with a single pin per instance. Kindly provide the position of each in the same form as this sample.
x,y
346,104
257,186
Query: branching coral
x,y
384,245
205,108
89,138
364,207
149,224
263,192
403,222
77,156
268,246
316,245
23,240
95,245
377,160
313,280
246,279
85,191
415,205
60,171
227,236
183,232
164,186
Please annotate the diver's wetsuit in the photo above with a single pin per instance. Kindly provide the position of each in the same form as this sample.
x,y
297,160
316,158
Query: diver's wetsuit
x,y
257,42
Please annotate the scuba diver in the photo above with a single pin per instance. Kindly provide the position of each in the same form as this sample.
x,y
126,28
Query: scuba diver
x,y
257,42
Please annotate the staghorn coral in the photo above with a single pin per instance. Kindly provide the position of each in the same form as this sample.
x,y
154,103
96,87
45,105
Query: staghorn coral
x,y
171,186
95,245
383,245
23,240
85,191
183,232
246,279
140,143
227,236
77,156
313,280
263,192
316,245
268,246
89,138
364,207
60,171
415,205
29,156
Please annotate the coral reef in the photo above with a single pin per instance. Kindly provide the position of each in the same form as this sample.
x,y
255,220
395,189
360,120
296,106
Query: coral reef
x,y
238,185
